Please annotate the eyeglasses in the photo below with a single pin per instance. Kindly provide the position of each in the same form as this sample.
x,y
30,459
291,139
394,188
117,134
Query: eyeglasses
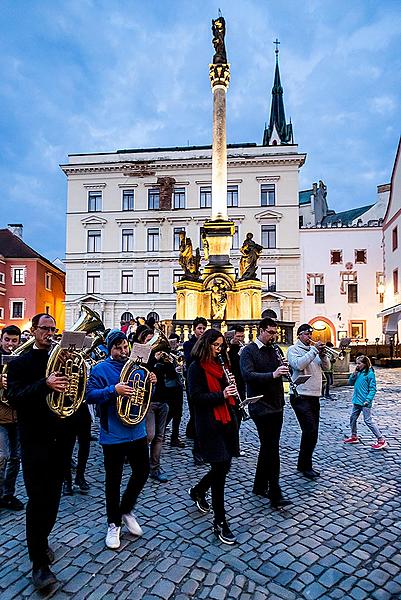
x,y
217,346
47,328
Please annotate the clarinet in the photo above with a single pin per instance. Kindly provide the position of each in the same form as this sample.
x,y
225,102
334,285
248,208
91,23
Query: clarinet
x,y
280,359
231,380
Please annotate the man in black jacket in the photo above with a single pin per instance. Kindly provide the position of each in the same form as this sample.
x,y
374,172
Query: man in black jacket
x,y
262,372
45,444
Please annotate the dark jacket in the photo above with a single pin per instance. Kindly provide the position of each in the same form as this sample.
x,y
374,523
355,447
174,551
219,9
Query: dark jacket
x,y
257,367
7,413
187,348
234,356
217,442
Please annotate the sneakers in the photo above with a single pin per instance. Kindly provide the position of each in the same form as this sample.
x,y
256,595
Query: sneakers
x,y
42,577
354,439
224,533
68,489
82,484
132,524
380,445
158,476
11,502
200,500
113,536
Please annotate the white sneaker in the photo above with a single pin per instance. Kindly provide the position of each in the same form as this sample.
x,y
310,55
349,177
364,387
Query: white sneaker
x,y
132,524
113,536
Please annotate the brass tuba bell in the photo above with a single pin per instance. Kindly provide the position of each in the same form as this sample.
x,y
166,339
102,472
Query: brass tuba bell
x,y
71,363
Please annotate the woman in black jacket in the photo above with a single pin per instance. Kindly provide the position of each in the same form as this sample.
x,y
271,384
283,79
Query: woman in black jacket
x,y
215,424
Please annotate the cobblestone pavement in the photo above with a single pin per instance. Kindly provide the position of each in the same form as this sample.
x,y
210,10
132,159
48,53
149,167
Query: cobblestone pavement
x,y
341,538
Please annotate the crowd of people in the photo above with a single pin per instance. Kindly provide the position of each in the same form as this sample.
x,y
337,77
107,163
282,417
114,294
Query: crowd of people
x,y
225,381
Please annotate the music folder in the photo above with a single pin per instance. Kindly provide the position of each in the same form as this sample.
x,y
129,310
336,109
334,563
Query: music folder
x,y
301,379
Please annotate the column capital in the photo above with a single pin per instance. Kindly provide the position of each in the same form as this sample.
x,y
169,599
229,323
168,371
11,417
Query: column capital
x,y
219,75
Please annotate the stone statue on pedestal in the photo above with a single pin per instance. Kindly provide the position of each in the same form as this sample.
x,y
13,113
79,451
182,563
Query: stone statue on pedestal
x,y
189,262
218,299
250,252
219,31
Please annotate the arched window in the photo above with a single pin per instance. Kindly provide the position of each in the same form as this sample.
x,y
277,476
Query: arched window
x,y
154,315
126,317
269,313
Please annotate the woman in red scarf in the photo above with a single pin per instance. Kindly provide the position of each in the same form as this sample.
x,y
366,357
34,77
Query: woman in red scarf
x,y
216,426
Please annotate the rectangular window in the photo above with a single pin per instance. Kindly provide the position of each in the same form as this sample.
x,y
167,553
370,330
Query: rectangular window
x,y
154,199
361,257
268,275
394,237
177,274
153,239
232,195
267,195
93,282
395,281
346,278
94,240
2,278
319,294
176,237
1,313
94,201
18,275
179,198
352,293
17,309
268,237
235,240
127,282
48,281
128,199
153,282
336,257
127,237
301,221
205,197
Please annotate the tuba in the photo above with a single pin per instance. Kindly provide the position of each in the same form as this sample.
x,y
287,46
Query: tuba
x,y
71,363
132,409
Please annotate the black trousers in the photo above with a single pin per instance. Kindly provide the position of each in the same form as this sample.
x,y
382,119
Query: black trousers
x,y
81,424
137,455
43,468
175,405
191,431
268,467
307,410
215,480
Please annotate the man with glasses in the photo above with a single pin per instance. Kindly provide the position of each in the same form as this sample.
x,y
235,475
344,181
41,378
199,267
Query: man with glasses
x,y
45,443
262,372
307,358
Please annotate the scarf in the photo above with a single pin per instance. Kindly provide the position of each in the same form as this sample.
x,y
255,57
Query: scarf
x,y
214,374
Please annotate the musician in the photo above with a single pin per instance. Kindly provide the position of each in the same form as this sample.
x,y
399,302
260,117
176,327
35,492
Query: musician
x,y
216,426
45,443
119,441
81,423
198,326
307,359
10,452
235,342
173,381
262,371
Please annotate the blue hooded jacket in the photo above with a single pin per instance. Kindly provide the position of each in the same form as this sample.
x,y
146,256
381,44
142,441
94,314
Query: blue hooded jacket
x,y
364,387
101,391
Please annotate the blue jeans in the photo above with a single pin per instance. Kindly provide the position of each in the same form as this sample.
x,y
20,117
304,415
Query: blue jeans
x,y
10,454
357,409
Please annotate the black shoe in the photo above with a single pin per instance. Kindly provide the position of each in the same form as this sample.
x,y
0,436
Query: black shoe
x,y
200,500
224,533
311,474
177,443
82,484
50,555
93,438
67,489
42,577
262,493
11,502
198,461
279,502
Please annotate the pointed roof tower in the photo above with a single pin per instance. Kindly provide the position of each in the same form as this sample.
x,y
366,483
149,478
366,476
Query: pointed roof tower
x,y
278,132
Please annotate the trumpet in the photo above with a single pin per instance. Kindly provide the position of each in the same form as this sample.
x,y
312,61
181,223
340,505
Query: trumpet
x,y
332,353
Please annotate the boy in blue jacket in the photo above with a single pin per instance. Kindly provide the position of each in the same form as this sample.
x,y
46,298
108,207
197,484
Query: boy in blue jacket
x,y
364,381
119,441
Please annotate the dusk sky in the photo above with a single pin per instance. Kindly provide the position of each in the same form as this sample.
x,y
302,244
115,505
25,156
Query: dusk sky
x,y
96,76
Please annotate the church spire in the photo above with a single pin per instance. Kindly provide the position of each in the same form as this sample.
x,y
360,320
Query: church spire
x,y
278,131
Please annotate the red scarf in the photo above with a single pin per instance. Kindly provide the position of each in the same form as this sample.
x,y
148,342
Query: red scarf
x,y
214,374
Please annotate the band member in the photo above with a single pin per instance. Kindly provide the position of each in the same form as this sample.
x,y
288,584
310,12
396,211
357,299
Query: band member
x,y
81,423
10,452
262,372
307,359
173,380
119,441
45,444
216,426
235,343
199,326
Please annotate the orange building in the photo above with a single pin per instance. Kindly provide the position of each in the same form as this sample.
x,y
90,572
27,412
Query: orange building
x,y
29,283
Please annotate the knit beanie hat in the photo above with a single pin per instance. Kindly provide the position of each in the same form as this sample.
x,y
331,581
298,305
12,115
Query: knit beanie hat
x,y
114,337
304,327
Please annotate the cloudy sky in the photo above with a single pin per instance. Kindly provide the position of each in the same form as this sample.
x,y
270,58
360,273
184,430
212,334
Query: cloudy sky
x,y
97,75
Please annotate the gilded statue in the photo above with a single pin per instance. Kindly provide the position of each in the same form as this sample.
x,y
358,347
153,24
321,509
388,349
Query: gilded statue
x,y
219,31
219,300
188,261
250,253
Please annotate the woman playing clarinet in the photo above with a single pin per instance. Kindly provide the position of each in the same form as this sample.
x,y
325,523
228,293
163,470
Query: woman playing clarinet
x,y
216,426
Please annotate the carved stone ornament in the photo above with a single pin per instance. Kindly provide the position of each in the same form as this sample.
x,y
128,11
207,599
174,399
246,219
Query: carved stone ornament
x,y
166,192
218,298
188,261
219,75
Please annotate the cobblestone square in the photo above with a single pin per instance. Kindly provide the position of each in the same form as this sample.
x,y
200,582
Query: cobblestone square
x,y
341,538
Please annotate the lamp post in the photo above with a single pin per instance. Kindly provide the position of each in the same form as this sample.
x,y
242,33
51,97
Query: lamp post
x,y
377,340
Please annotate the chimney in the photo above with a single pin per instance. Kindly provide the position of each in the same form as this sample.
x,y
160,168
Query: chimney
x,y
16,229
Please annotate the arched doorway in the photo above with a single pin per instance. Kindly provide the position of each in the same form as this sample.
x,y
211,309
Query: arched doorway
x,y
269,313
153,315
126,317
323,330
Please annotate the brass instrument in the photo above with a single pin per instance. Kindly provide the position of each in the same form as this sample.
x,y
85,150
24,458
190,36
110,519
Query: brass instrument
x,y
332,353
231,381
17,352
71,363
